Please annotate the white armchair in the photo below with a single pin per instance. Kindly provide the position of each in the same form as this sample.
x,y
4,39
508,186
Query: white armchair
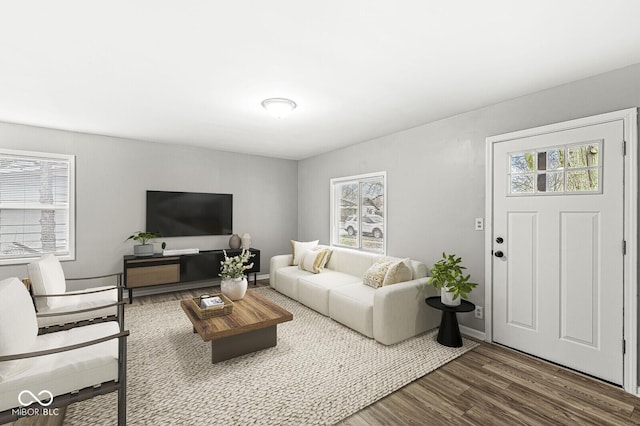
x,y
56,369
48,287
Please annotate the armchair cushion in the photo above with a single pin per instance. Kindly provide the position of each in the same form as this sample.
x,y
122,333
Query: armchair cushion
x,y
65,372
18,326
47,277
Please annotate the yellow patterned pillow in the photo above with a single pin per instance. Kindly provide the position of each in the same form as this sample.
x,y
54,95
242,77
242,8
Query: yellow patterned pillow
x,y
374,277
314,260
398,272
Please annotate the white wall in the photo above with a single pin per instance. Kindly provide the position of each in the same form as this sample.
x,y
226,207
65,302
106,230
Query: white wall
x,y
436,172
112,175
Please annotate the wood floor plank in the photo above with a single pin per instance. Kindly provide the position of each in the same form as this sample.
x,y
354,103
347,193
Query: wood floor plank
x,y
538,381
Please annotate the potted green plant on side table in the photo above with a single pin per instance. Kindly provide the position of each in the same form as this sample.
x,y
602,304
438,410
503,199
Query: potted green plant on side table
x,y
447,275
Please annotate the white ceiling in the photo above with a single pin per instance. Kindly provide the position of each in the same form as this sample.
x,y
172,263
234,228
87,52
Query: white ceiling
x,y
195,71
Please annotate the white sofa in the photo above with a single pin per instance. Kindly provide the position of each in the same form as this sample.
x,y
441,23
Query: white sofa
x,y
389,314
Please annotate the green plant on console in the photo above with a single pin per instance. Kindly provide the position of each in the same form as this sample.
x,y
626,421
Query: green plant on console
x,y
144,238
448,273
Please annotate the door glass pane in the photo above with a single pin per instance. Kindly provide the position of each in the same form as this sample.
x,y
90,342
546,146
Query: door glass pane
x,y
555,181
542,161
523,163
555,159
583,155
582,180
522,184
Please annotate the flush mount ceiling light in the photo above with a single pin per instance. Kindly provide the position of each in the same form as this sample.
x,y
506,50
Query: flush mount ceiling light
x,y
278,107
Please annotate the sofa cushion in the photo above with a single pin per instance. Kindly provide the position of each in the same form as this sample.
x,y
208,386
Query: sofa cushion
x,y
299,247
47,277
313,290
18,325
314,260
287,279
352,262
375,275
352,305
398,272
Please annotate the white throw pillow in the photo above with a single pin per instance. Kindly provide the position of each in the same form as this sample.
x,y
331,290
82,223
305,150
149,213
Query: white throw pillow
x,y
47,277
18,325
299,247
374,277
398,272
314,260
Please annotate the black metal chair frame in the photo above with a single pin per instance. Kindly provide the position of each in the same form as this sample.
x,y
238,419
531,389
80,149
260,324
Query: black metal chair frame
x,y
90,391
66,326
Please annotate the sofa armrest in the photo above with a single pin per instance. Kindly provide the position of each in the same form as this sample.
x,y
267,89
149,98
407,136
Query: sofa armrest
x,y
277,262
400,312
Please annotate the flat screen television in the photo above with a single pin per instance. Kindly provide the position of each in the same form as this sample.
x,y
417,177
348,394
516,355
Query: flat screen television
x,y
186,214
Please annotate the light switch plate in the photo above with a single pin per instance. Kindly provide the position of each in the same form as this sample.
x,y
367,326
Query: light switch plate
x,y
479,224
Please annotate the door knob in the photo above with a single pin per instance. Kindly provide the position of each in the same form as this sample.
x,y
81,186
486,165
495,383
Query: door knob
x,y
499,240
499,254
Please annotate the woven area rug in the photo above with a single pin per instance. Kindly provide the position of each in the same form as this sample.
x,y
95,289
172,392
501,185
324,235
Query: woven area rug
x,y
320,372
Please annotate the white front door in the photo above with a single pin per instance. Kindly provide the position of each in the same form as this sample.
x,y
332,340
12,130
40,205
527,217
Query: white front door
x,y
558,231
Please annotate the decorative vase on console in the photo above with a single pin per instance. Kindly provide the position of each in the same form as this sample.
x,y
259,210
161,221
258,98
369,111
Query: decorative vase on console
x,y
234,281
235,242
246,240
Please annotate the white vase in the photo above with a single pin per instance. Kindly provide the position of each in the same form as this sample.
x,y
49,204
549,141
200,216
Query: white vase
x,y
234,288
246,240
447,297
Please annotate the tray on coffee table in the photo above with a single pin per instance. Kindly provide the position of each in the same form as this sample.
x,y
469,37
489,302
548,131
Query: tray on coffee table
x,y
213,311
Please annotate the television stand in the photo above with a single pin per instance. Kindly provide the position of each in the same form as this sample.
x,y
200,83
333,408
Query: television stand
x,y
156,270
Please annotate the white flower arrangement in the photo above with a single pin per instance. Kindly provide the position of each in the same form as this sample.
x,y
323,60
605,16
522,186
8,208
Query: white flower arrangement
x,y
234,267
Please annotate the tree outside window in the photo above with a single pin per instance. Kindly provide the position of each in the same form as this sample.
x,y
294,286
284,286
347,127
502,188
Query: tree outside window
x,y
358,212
36,206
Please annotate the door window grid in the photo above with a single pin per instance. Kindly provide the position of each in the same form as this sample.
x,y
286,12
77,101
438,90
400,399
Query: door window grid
x,y
560,170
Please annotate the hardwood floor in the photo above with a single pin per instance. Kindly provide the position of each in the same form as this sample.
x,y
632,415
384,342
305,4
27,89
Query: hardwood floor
x,y
490,385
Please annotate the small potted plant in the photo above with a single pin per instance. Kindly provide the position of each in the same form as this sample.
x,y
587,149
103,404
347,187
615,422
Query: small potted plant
x,y
234,280
145,248
447,275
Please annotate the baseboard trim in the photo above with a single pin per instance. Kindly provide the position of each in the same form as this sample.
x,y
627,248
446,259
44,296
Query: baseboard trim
x,y
472,332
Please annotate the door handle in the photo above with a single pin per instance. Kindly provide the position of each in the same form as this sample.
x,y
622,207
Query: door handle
x,y
499,254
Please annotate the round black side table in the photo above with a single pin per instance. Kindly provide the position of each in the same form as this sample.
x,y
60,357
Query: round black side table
x,y
449,333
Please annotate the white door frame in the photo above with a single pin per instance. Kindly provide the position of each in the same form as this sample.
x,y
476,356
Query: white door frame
x,y
629,118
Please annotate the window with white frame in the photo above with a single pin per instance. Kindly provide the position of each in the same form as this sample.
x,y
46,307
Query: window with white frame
x,y
36,206
358,212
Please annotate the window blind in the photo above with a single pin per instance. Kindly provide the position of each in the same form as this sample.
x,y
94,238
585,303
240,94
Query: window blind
x,y
36,205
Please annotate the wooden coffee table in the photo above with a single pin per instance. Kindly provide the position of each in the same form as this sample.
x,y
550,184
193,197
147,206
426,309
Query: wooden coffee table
x,y
251,327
